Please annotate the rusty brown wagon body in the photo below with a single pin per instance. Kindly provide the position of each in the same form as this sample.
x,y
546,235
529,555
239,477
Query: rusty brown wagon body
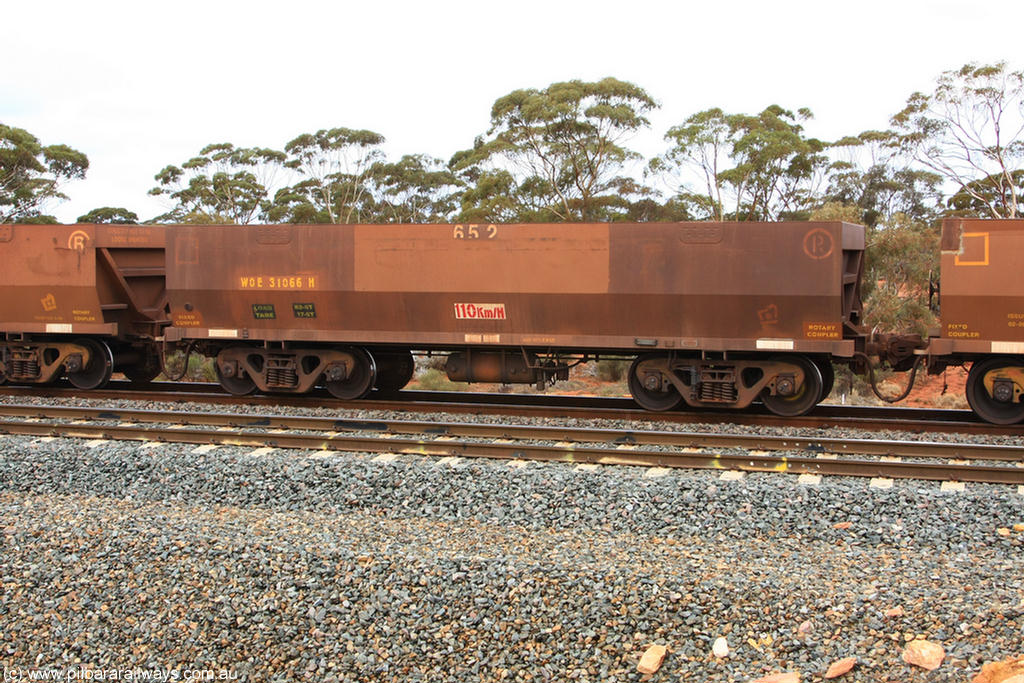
x,y
982,311
718,313
78,299
713,314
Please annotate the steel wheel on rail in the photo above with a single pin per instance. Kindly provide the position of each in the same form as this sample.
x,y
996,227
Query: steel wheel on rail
x,y
233,384
650,388
143,371
97,372
804,397
1001,404
394,370
828,377
360,379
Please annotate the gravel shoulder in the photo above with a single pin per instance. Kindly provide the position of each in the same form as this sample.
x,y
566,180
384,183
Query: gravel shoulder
x,y
337,567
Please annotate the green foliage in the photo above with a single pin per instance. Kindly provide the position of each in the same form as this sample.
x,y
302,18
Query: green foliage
x,y
415,189
980,196
113,215
747,167
200,367
37,219
836,211
883,191
31,174
970,131
224,184
336,164
555,154
902,258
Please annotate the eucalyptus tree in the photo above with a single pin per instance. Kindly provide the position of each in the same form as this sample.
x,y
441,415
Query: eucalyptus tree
x,y
115,215
32,174
744,167
970,130
556,154
334,166
415,189
223,184
868,173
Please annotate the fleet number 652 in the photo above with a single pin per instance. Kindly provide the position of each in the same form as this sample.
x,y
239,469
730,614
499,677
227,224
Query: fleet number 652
x,y
474,232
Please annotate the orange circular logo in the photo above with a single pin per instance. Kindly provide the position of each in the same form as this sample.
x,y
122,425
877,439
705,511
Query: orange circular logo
x,y
78,239
818,243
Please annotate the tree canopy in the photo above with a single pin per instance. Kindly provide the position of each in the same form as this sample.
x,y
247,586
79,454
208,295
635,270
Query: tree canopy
x,y
743,167
109,214
970,131
564,153
556,154
334,166
223,184
31,174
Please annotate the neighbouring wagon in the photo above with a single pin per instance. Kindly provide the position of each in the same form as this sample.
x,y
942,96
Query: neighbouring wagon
x,y
982,311
78,300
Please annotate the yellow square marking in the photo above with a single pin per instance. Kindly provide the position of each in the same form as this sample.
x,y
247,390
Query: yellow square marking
x,y
984,261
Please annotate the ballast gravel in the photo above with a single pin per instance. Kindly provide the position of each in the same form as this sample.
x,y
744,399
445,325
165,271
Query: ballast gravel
x,y
293,565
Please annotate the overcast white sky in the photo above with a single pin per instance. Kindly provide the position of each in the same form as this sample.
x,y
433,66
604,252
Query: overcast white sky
x,y
138,85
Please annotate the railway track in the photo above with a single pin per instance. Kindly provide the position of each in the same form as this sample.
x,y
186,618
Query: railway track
x,y
869,418
940,461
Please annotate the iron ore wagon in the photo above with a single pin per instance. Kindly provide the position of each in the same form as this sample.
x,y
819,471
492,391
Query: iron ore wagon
x,y
715,314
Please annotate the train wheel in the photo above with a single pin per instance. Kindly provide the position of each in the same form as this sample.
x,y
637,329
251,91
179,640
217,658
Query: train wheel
x,y
143,372
988,407
359,382
804,398
649,390
238,386
101,366
394,370
828,378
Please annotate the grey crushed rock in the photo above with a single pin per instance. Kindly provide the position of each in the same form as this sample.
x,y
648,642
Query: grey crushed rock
x,y
289,566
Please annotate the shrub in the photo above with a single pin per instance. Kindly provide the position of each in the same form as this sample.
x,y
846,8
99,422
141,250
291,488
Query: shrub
x,y
612,370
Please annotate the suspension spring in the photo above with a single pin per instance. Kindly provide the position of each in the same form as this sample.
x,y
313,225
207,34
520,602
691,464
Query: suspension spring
x,y
281,372
23,369
717,392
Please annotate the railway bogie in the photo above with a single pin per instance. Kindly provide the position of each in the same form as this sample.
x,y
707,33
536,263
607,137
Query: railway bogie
x,y
788,385
87,362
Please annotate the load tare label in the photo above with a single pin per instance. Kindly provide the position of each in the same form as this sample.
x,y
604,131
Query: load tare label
x,y
264,312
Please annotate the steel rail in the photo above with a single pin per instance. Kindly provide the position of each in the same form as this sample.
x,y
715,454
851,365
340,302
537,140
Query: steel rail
x,y
569,453
868,418
617,437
